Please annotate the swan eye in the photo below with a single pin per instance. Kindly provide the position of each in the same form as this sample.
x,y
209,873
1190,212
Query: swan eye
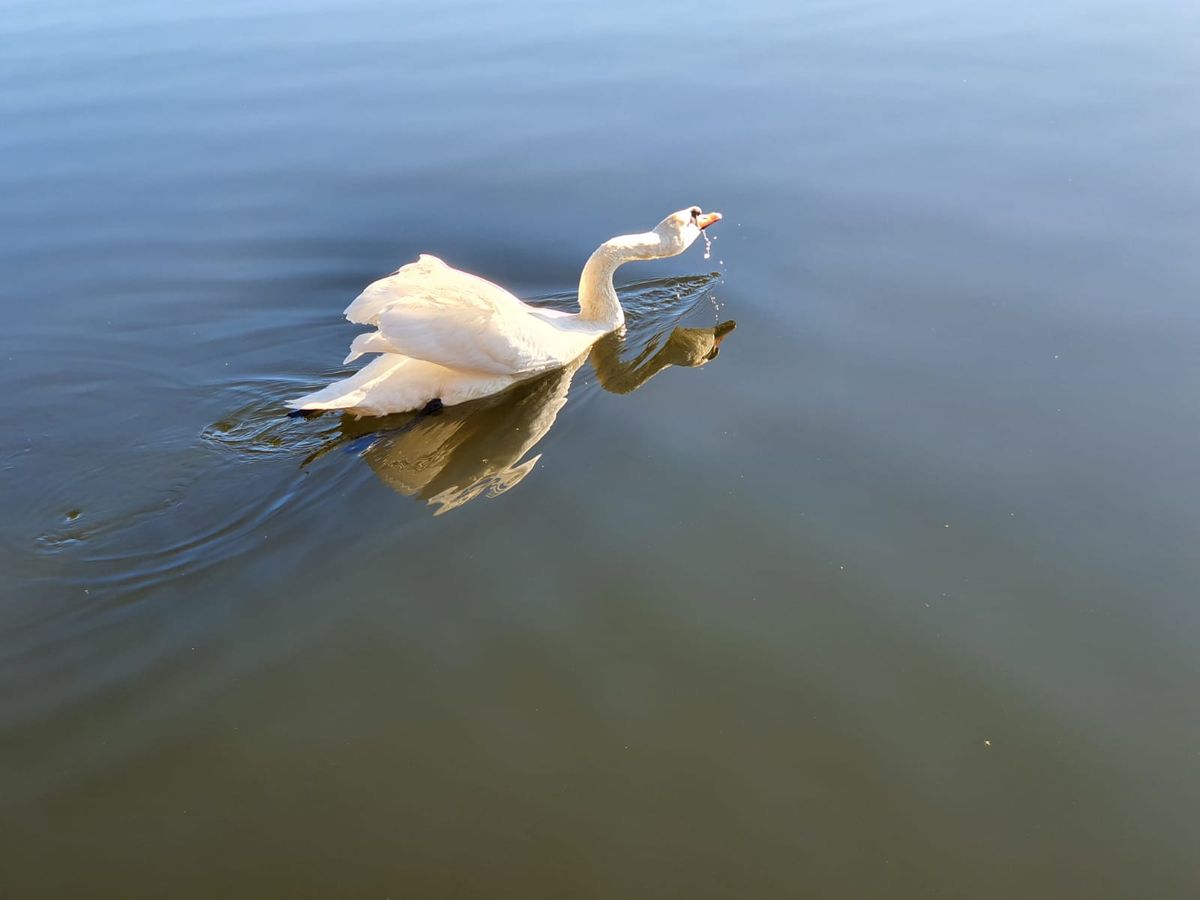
x,y
695,213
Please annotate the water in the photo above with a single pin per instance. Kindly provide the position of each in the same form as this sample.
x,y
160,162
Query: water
x,y
896,596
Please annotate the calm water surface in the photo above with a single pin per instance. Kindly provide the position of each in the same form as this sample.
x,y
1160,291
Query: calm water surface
x,y
896,597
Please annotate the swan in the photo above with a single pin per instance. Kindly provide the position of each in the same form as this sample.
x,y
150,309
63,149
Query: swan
x,y
445,336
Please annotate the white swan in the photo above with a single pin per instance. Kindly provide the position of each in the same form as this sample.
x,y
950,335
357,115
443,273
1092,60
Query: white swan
x,y
449,336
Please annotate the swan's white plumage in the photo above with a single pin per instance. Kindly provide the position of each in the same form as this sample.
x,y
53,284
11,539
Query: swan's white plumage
x,y
462,333
428,276
371,342
446,334
393,383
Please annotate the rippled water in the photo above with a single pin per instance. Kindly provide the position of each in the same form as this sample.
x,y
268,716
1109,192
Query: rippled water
x,y
894,596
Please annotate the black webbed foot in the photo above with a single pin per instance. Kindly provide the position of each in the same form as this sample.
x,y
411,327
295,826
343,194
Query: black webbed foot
x,y
433,407
304,413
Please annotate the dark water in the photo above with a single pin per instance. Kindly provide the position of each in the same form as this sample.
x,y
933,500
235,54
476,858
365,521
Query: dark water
x,y
897,597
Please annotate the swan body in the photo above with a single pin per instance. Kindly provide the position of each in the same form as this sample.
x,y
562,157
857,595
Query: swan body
x,y
443,334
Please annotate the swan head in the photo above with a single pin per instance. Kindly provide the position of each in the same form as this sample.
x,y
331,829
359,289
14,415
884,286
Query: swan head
x,y
680,229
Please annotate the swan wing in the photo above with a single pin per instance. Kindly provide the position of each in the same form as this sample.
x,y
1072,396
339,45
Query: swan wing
x,y
426,277
460,333
431,311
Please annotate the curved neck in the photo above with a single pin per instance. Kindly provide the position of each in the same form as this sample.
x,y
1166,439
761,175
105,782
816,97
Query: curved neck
x,y
597,297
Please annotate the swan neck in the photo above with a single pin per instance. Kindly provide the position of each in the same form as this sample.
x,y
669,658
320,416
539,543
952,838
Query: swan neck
x,y
598,300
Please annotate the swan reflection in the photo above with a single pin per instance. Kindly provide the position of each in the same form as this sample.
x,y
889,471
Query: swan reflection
x,y
483,448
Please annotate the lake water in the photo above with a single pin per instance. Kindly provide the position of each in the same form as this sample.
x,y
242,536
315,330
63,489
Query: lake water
x,y
896,597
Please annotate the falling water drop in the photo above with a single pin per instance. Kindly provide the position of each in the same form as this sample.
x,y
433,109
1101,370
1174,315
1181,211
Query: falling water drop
x,y
707,244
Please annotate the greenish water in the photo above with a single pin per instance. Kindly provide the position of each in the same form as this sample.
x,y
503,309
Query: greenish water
x,y
894,597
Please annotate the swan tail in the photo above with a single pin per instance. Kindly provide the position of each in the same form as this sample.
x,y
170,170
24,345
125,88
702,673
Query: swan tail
x,y
392,383
347,393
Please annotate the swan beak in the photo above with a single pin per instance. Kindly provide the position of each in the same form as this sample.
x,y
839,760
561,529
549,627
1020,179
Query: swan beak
x,y
707,219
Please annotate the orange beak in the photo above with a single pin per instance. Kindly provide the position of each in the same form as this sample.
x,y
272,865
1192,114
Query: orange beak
x,y
707,219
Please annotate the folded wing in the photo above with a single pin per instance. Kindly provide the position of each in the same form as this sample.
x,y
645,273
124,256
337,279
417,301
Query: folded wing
x,y
431,311
428,275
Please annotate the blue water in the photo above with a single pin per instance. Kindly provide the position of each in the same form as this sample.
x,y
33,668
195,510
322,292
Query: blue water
x,y
893,597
